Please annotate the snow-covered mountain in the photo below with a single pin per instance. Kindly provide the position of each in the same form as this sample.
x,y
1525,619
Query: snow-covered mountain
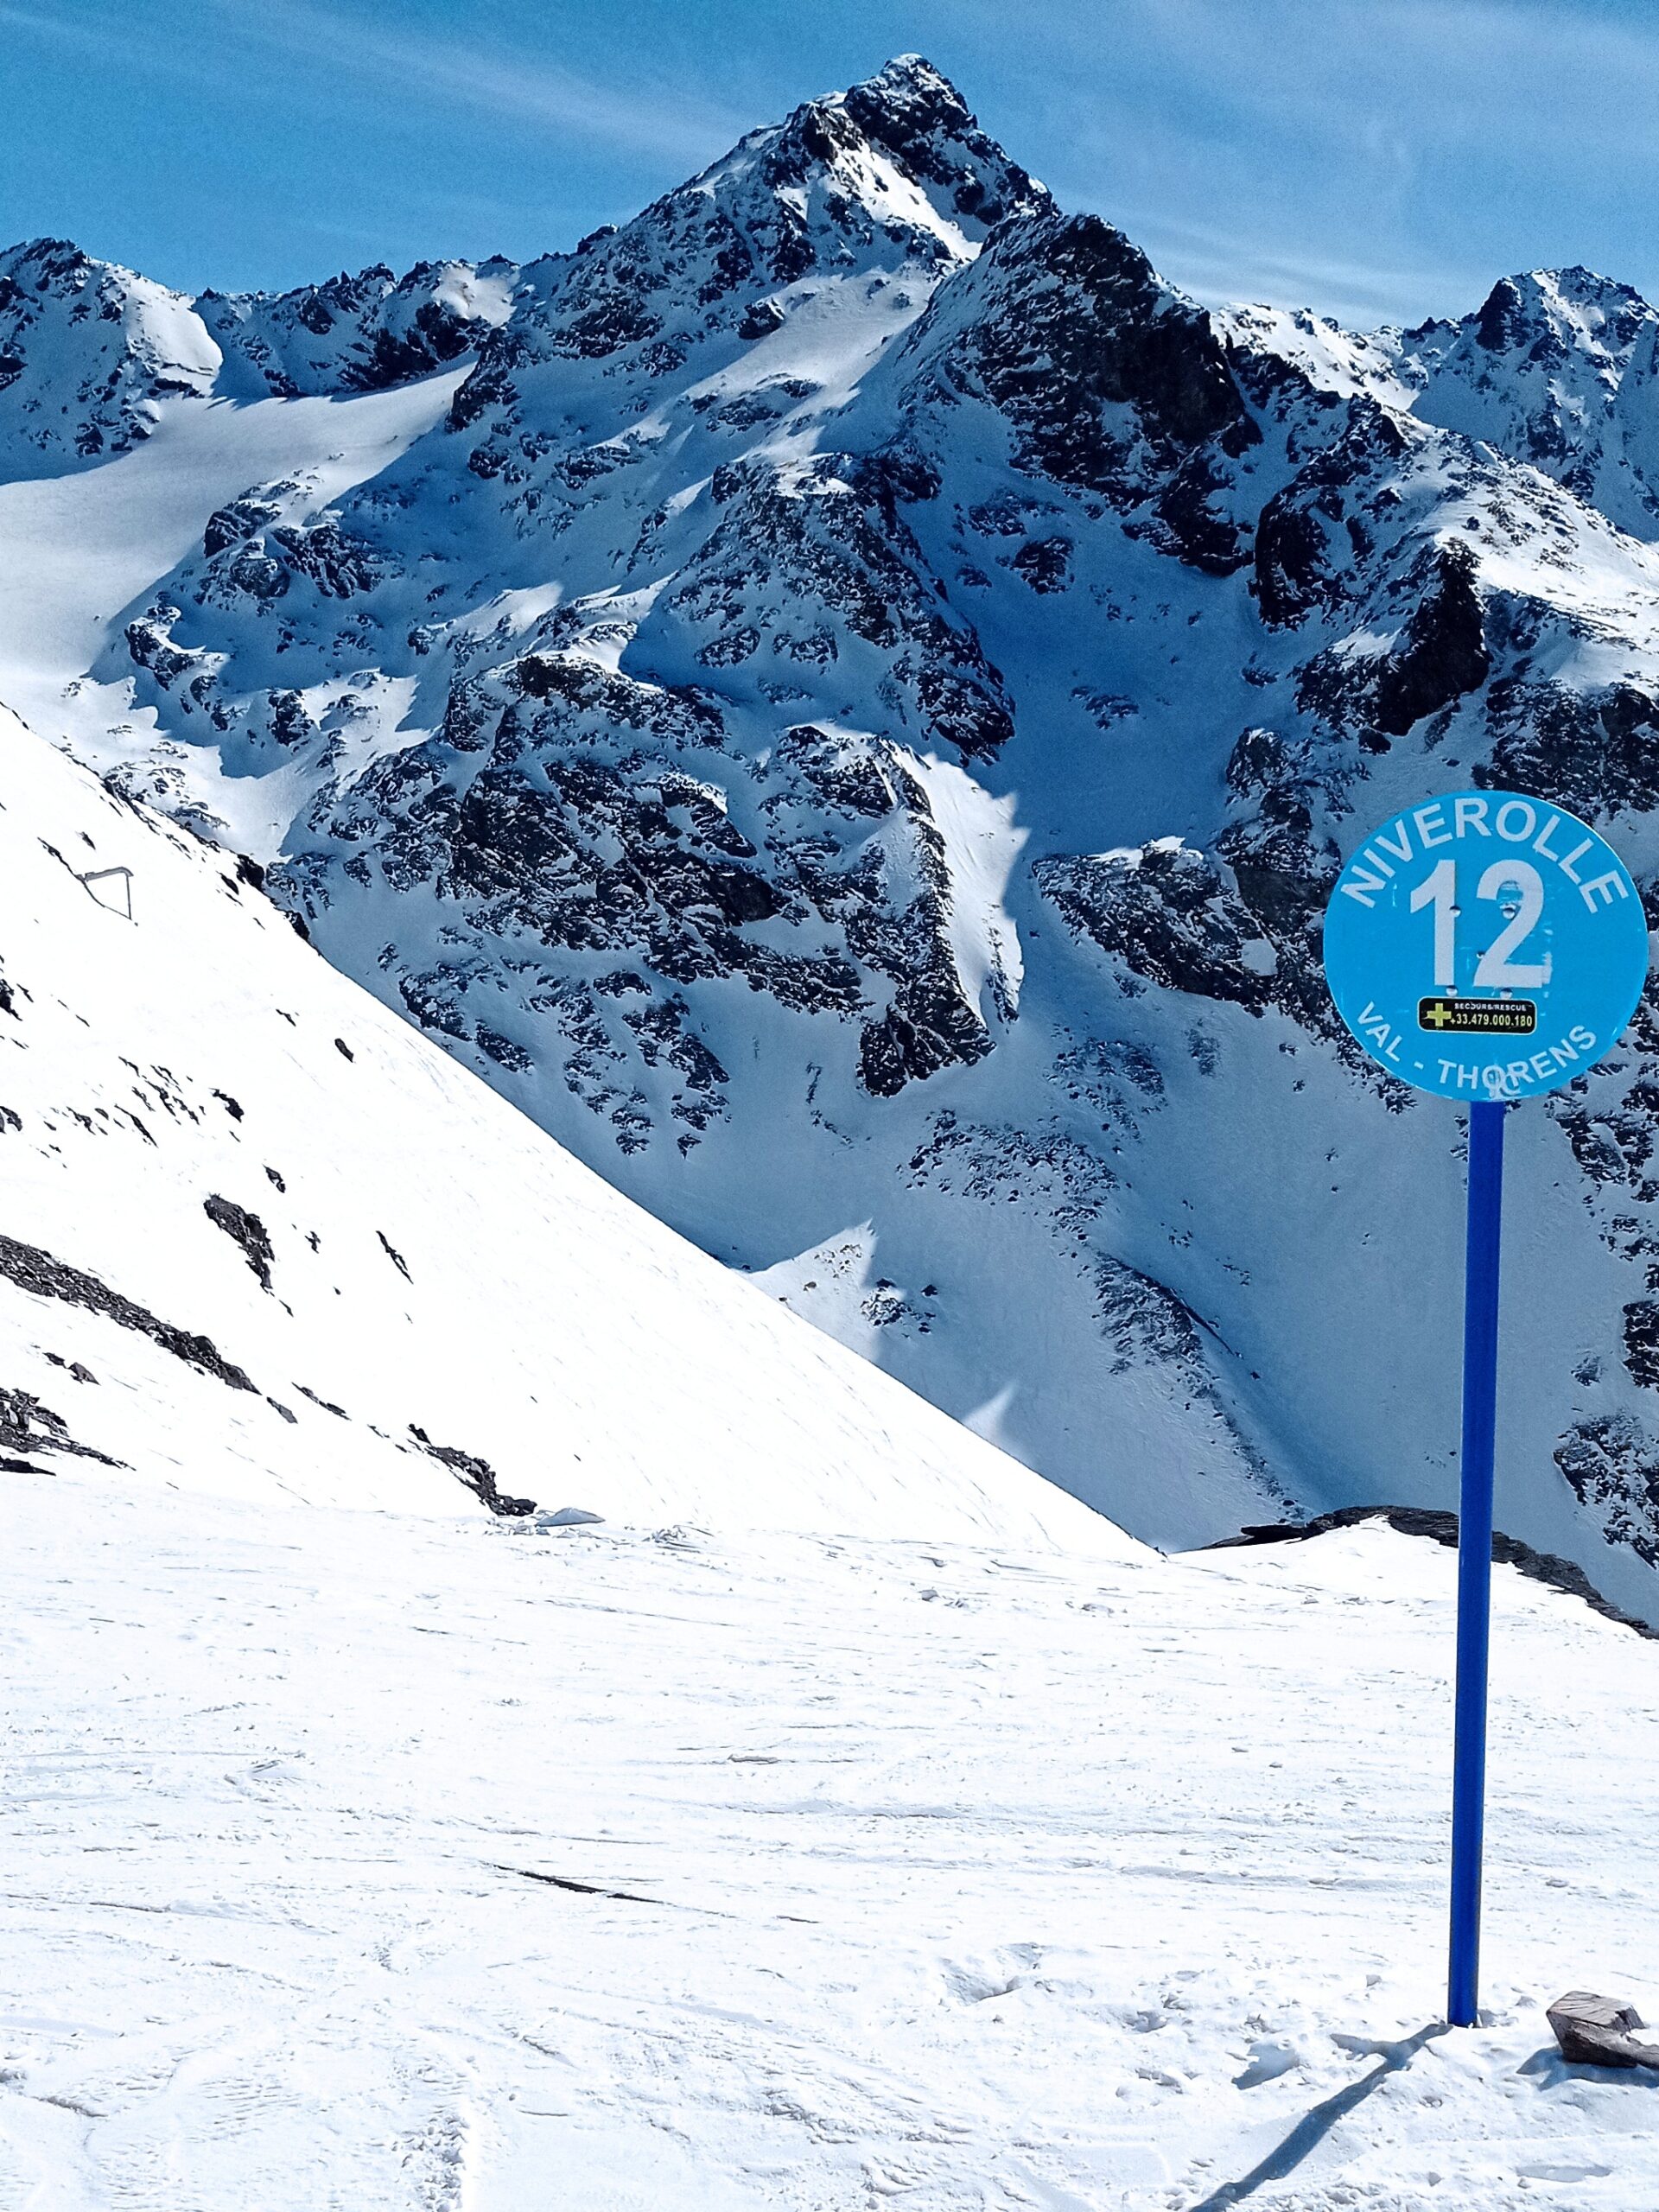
x,y
262,1237
91,354
843,697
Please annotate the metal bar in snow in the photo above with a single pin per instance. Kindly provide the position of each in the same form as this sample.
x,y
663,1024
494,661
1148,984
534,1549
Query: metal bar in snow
x,y
1475,1553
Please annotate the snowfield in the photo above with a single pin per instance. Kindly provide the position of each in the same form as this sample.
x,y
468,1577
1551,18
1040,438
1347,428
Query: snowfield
x,y
379,1862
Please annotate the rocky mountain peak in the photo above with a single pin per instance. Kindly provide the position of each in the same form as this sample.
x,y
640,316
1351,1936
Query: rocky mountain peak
x,y
88,353
1535,371
361,332
1541,312
902,148
1547,310
856,205
918,118
1109,379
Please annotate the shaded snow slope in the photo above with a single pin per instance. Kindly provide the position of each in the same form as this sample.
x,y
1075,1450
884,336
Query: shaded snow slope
x,y
845,705
407,1867
260,1237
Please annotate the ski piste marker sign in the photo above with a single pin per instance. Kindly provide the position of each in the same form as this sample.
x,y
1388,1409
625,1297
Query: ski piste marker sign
x,y
1486,947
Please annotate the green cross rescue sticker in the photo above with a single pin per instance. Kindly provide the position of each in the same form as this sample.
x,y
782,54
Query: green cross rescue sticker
x,y
1485,945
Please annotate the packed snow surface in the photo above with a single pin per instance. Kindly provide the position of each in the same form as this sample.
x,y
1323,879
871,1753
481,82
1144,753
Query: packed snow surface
x,y
385,1863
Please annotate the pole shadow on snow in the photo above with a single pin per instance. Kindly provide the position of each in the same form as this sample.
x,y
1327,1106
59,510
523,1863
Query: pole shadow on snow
x,y
1313,2128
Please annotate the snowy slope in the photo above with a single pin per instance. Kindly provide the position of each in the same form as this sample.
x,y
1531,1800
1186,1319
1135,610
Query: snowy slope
x,y
405,1867
845,707
260,1237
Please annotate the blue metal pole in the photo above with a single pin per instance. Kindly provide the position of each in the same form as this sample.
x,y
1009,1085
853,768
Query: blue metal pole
x,y
1475,1552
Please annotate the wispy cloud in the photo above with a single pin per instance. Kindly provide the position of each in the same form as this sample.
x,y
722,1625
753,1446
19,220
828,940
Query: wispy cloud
x,y
1224,267
332,44
635,117
1377,158
94,34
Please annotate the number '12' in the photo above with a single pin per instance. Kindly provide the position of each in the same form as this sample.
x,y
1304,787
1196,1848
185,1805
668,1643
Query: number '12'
x,y
1495,970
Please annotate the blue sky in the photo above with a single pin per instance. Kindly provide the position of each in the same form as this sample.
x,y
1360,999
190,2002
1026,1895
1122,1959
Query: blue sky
x,y
1373,158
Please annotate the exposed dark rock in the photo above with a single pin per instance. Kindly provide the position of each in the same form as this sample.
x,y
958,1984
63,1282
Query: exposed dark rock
x,y
1441,653
1596,753
339,1412
839,545
478,1474
246,1231
1071,328
152,649
919,118
338,564
1642,1342
38,1273
1612,1464
1305,548
28,1426
232,524
1260,762
1595,2030
1166,913
924,1030
1285,871
1500,318
1045,563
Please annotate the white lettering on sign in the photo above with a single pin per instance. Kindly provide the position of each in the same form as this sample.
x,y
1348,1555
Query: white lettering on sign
x,y
1502,1080
1439,888
1516,822
1385,1038
1463,1075
1496,971
1360,886
1606,885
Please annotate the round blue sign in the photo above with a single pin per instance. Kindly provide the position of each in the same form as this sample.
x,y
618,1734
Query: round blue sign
x,y
1485,945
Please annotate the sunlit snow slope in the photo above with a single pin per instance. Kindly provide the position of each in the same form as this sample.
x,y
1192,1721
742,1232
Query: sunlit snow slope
x,y
260,1237
369,1862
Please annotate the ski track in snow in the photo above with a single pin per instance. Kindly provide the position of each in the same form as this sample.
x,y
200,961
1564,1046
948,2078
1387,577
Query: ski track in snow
x,y
874,1873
